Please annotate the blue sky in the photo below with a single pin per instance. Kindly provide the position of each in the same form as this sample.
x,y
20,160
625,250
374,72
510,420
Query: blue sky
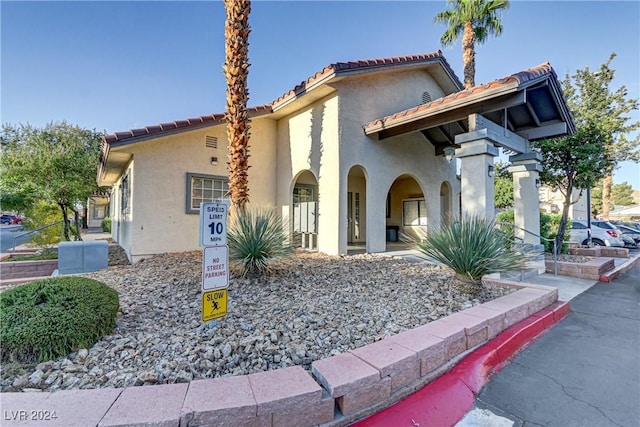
x,y
118,65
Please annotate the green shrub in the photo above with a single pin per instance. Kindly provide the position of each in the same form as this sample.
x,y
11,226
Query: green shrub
x,y
256,237
42,214
50,318
549,224
472,247
106,225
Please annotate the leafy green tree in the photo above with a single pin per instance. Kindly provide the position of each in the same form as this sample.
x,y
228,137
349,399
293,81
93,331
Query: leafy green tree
x,y
592,99
622,194
503,186
57,163
576,161
12,200
475,20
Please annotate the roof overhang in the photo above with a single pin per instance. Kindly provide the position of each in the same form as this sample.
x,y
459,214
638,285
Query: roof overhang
x,y
529,104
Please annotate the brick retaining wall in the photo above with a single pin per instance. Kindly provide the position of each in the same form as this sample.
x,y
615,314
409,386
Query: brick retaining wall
x,y
20,269
587,270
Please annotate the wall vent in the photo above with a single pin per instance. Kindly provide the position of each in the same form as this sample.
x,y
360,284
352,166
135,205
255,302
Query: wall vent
x,y
211,142
426,97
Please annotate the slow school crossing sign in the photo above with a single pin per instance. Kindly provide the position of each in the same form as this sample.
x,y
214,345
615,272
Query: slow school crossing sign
x,y
213,224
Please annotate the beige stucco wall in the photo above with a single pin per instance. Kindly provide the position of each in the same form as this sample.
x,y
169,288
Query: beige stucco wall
x,y
308,141
372,97
121,221
325,139
158,209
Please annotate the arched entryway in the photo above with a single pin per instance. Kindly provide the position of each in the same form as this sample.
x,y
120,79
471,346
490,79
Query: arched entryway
x,y
406,210
356,206
304,200
446,200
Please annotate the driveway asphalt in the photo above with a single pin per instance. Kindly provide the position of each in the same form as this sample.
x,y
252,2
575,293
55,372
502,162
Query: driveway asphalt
x,y
583,372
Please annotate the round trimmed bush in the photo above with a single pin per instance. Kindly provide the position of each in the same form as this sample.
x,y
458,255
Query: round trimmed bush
x,y
50,318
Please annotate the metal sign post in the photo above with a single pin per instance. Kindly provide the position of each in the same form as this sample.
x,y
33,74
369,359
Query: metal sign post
x,y
215,261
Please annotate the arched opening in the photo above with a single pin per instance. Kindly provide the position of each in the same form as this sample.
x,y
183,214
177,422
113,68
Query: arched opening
x,y
356,207
406,211
445,203
304,200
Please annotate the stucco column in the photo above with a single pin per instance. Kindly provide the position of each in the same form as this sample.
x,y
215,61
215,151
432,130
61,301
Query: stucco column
x,y
475,183
526,170
376,221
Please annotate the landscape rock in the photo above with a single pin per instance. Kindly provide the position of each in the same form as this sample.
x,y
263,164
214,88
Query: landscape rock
x,y
310,306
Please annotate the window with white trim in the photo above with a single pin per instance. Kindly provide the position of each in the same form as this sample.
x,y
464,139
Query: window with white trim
x,y
414,212
205,188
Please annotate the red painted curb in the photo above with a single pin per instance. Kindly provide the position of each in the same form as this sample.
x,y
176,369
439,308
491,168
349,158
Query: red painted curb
x,y
444,401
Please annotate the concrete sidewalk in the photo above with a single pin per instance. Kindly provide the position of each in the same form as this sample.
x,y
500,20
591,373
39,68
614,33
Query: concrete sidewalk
x,y
584,372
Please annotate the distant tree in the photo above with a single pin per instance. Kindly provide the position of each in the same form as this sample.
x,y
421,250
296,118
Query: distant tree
x,y
576,161
503,186
622,194
11,200
593,101
57,164
236,72
475,20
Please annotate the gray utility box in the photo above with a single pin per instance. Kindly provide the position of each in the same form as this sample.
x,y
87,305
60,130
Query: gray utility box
x,y
82,257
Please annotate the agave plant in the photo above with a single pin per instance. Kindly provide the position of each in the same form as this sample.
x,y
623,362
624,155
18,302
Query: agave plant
x,y
256,237
473,247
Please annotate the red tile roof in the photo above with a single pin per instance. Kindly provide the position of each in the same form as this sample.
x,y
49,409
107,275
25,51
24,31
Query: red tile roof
x,y
328,72
176,125
514,80
345,68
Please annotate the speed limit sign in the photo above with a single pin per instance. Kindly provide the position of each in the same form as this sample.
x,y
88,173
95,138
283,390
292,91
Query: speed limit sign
x,y
213,224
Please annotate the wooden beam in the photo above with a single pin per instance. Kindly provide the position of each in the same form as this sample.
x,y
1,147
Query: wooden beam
x,y
533,114
446,135
499,134
545,131
454,114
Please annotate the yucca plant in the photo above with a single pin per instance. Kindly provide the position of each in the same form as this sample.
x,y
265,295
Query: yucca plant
x,y
256,237
473,247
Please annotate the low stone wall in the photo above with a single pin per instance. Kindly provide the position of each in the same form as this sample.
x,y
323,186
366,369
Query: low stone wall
x,y
588,270
341,388
19,269
601,251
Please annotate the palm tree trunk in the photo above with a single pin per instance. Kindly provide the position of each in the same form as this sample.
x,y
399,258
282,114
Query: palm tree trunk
x,y
236,70
469,55
606,195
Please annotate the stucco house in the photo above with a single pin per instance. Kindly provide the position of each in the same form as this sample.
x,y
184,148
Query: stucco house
x,y
355,154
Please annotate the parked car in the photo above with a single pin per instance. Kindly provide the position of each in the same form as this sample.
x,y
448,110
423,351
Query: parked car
x,y
631,224
11,219
631,232
628,241
603,233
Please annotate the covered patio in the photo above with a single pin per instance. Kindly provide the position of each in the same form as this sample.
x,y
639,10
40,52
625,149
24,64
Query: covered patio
x,y
473,123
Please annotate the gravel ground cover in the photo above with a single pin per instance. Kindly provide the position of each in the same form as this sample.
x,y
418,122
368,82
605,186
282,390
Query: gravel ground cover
x,y
578,259
309,307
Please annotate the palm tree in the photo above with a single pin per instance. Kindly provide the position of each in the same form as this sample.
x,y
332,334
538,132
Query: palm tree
x,y
476,20
236,70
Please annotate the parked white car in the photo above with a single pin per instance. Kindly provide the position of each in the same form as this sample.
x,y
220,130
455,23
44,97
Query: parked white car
x,y
609,236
